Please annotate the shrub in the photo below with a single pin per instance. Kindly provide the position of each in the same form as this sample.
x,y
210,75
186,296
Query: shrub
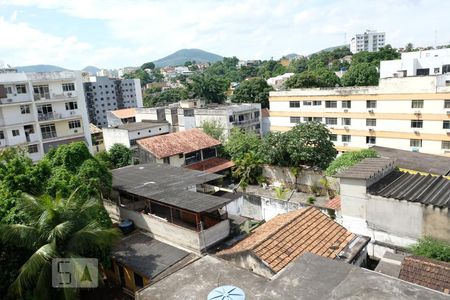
x,y
432,248
349,159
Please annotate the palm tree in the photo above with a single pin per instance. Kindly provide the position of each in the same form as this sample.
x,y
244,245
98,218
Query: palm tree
x,y
58,228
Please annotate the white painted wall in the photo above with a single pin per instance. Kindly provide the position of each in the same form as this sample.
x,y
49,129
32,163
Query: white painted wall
x,y
113,136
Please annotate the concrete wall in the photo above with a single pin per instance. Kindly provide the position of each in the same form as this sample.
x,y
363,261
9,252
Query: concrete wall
x,y
248,206
113,136
249,262
170,233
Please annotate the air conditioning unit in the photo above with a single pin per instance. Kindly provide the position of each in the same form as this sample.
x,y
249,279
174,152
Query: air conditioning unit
x,y
9,100
346,110
346,127
345,144
75,131
448,112
417,112
416,132
69,94
370,111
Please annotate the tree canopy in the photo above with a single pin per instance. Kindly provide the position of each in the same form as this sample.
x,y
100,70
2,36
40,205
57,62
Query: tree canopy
x,y
363,74
210,88
214,129
254,90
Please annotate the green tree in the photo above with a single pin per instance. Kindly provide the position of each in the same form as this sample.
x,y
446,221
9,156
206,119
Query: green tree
x,y
309,144
166,96
349,159
362,74
318,78
255,90
432,248
247,169
120,156
210,88
148,65
213,128
273,149
270,68
139,74
298,65
241,142
409,47
58,228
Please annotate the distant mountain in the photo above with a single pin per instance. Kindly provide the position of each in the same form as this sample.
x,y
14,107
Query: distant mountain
x,y
181,56
40,68
291,55
329,49
91,69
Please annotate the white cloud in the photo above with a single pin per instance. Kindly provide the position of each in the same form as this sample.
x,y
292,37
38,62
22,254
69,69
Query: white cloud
x,y
146,30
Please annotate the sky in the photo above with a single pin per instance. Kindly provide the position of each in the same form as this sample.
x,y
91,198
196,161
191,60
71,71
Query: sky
x,y
119,33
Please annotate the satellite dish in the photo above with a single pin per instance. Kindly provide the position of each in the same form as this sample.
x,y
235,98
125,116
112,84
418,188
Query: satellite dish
x,y
226,292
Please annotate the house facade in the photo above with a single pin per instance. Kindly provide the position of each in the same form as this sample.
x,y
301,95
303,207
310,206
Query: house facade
x,y
42,110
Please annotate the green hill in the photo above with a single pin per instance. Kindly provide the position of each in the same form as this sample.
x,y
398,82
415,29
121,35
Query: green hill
x,y
181,56
40,68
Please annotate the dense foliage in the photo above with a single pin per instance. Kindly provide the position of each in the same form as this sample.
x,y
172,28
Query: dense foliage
x,y
240,142
157,97
63,170
363,74
432,248
56,228
349,159
214,129
254,90
118,156
317,78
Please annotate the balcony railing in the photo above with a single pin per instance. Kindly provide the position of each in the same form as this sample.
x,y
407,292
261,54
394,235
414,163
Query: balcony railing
x,y
50,116
49,135
48,96
39,96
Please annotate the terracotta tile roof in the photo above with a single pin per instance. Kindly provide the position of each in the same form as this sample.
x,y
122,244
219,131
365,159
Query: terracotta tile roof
x,y
285,237
334,203
426,272
179,142
212,165
124,113
265,113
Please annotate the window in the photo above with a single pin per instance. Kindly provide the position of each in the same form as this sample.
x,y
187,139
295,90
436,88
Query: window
x,y
415,143
307,103
417,104
446,124
21,89
256,115
436,70
346,121
188,112
209,152
48,131
33,149
333,137
445,144
331,121
371,104
15,132
231,119
2,135
346,138
138,281
67,87
317,103
295,120
25,109
192,157
423,72
371,140
346,104
294,103
446,103
371,122
307,119
445,69
330,104
74,124
416,123
9,90
71,105
317,119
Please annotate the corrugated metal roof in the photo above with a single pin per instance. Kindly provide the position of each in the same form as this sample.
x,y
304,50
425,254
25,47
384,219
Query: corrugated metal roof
x,y
367,168
422,162
167,184
425,189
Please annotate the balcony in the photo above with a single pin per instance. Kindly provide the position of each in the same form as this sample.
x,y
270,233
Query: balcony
x,y
54,96
15,98
245,122
50,116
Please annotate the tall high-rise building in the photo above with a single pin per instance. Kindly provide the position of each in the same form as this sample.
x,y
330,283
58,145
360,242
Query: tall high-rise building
x,y
42,110
104,94
369,41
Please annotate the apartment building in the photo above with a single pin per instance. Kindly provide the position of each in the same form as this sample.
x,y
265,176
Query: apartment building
x,y
410,113
104,94
418,63
185,116
369,41
42,110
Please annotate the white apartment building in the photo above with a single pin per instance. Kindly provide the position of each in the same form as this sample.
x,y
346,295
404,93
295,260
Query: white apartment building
x,y
369,41
104,94
245,115
410,113
418,63
42,110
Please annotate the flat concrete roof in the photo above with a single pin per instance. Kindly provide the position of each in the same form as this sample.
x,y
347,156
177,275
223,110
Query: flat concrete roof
x,y
141,125
309,277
